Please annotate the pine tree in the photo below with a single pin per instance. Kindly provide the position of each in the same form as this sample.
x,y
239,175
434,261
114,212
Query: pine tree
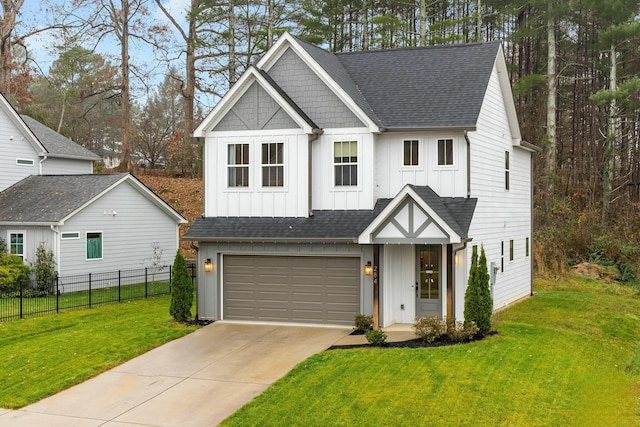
x,y
478,305
181,290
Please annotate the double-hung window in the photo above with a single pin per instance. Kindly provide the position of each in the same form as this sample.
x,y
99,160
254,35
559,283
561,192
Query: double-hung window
x,y
345,163
272,164
238,165
410,152
94,245
445,152
506,170
16,243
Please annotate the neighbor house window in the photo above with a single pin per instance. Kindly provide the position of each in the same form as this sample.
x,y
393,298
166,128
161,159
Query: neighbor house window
x,y
526,247
238,165
65,236
94,245
506,170
16,243
410,152
445,152
502,256
345,162
511,250
25,162
272,165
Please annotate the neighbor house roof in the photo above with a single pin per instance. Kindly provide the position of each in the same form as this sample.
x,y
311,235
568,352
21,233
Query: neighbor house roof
x,y
51,199
56,144
324,225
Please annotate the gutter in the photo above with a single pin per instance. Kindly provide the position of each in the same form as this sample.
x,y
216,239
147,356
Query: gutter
x,y
44,157
430,128
271,239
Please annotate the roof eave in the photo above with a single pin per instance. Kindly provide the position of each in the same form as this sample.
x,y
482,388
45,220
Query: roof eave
x,y
69,156
459,128
30,223
270,239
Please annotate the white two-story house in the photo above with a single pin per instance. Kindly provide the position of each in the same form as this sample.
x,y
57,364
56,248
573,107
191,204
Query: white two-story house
x,y
360,183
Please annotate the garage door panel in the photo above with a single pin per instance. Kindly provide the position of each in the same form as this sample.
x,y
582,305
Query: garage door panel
x,y
291,289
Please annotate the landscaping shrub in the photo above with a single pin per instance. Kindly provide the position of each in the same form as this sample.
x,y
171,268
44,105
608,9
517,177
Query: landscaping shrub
x,y
478,305
376,337
461,331
12,271
44,269
429,329
363,322
181,290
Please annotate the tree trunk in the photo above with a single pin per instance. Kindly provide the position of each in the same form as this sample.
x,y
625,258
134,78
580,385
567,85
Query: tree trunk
x,y
125,163
270,24
232,44
608,165
10,11
479,21
423,23
552,89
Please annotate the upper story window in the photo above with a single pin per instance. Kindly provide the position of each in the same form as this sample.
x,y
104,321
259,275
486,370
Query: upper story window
x,y
272,165
445,152
410,152
345,162
16,243
238,165
506,170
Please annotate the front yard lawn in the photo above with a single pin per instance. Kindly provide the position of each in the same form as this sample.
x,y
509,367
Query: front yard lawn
x,y
41,356
568,356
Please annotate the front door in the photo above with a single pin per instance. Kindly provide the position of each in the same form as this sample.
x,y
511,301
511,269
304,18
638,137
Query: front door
x,y
428,290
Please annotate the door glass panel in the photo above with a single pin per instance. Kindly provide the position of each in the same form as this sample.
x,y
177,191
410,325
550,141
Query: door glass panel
x,y
429,272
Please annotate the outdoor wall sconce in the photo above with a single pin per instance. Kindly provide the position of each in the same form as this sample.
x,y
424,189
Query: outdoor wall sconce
x,y
208,265
368,269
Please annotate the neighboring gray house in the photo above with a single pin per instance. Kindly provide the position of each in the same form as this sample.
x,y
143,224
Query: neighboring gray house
x,y
92,223
28,147
363,182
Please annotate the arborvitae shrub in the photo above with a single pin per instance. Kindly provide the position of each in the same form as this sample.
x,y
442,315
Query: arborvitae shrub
x,y
181,290
478,305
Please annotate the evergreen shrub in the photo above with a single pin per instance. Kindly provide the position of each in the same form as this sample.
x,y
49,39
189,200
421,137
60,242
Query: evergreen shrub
x,y
181,290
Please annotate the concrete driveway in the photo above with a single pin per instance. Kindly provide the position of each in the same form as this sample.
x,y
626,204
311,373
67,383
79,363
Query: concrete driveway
x,y
197,380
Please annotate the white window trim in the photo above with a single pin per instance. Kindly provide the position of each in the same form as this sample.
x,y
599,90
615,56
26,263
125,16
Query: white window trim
x,y
270,189
101,242
77,237
248,166
358,165
31,162
24,242
453,164
421,150
507,170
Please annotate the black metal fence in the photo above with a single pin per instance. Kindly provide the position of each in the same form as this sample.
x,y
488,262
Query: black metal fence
x,y
31,298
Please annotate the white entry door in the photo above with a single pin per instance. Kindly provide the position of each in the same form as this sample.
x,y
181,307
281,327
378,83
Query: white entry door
x,y
429,289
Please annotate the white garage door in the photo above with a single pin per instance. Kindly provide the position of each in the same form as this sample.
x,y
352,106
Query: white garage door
x,y
291,289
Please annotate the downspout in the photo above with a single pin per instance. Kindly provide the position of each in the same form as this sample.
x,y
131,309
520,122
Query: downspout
x,y
314,136
56,233
44,157
466,137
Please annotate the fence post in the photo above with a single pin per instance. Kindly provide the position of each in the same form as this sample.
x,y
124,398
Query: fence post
x,y
119,287
57,295
146,283
89,290
20,282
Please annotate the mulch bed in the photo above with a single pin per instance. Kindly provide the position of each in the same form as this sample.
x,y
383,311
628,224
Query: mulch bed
x,y
413,343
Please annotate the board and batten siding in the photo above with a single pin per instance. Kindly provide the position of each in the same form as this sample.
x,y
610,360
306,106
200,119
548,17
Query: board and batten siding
x,y
391,175
58,166
310,93
290,200
14,146
326,195
501,215
210,284
127,237
32,239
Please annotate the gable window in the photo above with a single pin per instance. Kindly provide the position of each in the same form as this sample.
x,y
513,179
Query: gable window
x,y
526,248
272,165
16,243
25,162
66,236
410,152
345,163
238,165
94,245
445,152
506,170
502,257
511,250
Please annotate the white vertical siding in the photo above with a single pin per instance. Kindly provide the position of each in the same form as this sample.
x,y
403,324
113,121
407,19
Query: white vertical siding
x,y
501,215
57,166
327,196
391,175
255,200
127,237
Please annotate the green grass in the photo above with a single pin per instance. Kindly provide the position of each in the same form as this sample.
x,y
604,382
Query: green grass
x,y
570,356
43,355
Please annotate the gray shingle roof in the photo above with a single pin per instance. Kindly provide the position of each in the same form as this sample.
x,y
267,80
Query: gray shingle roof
x,y
328,226
55,143
51,198
419,87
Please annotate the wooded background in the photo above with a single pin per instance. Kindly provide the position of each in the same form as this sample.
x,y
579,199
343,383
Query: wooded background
x,y
574,67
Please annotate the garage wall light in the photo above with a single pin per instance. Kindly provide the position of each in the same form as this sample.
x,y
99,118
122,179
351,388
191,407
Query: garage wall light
x,y
208,265
368,269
